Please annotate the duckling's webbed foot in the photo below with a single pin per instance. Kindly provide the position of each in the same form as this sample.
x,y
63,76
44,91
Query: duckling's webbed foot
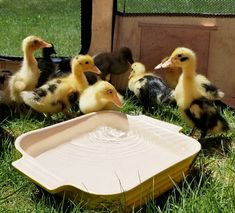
x,y
192,132
203,134
68,114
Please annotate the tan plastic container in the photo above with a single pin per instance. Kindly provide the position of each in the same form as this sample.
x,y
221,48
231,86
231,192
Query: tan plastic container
x,y
107,157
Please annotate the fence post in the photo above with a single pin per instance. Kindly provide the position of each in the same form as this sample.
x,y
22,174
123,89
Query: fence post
x,y
102,21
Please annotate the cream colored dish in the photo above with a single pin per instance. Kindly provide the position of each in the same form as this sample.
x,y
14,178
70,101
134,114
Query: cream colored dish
x,y
107,157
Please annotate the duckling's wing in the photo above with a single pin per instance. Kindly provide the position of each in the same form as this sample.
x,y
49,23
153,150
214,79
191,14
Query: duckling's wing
x,y
208,90
205,116
212,92
155,91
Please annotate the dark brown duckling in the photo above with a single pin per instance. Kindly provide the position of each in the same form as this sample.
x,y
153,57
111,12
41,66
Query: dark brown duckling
x,y
114,63
109,63
46,65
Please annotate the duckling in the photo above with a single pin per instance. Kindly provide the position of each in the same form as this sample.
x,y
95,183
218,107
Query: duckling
x,y
60,94
108,63
46,65
65,69
114,63
27,77
172,74
100,96
150,89
197,109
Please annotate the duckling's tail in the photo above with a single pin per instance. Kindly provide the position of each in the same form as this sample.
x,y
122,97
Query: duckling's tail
x,y
212,92
30,98
168,98
220,94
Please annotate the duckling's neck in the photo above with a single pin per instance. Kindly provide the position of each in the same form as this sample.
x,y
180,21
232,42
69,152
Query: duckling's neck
x,y
185,93
81,79
189,71
29,59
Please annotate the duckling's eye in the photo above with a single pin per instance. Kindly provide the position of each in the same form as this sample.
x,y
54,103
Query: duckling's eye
x,y
184,59
179,55
110,91
87,62
35,41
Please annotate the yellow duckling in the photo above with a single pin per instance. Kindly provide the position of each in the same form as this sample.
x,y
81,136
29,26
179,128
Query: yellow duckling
x,y
197,109
60,94
27,77
99,96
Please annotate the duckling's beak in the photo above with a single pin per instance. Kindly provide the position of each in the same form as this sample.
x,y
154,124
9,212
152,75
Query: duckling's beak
x,y
116,100
164,64
45,44
130,76
96,70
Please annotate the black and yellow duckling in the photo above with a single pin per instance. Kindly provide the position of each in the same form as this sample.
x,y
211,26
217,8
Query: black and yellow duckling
x,y
196,106
59,94
100,96
64,69
46,65
173,73
150,89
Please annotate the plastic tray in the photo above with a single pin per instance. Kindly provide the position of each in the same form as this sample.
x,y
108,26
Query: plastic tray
x,y
107,157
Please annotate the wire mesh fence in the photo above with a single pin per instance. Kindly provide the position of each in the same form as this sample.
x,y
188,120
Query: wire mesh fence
x,y
206,7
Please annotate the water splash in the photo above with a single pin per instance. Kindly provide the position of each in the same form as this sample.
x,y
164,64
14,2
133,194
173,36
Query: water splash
x,y
107,134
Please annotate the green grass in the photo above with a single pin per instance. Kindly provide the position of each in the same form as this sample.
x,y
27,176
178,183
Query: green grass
x,y
56,21
210,187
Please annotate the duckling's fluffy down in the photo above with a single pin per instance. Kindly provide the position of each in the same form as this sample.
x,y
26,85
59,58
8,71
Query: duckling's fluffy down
x,y
100,96
195,94
150,89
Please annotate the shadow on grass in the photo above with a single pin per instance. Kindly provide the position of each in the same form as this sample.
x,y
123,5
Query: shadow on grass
x,y
219,146
198,178
59,203
63,203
